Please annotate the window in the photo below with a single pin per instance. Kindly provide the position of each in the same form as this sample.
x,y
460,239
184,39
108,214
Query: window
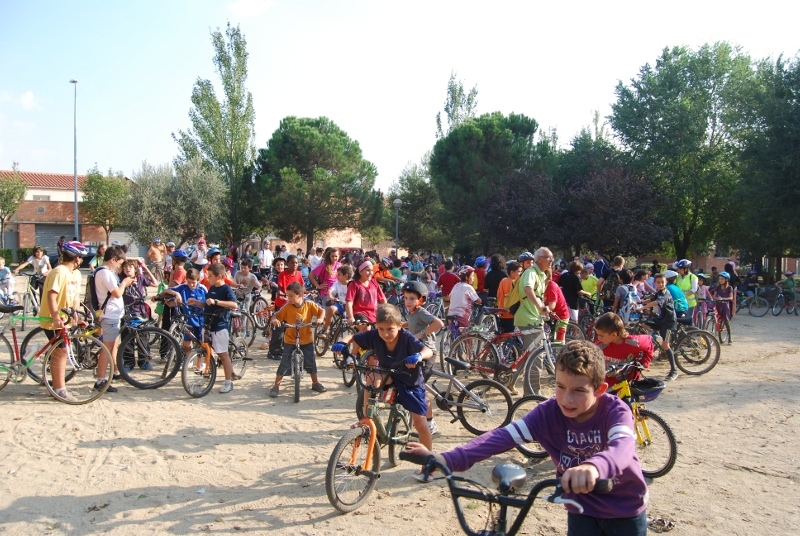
x,y
41,198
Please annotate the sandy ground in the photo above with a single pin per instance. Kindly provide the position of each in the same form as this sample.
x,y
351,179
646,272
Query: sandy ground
x,y
154,462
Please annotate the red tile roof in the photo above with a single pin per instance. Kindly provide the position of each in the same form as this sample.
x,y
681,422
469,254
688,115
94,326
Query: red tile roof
x,y
36,179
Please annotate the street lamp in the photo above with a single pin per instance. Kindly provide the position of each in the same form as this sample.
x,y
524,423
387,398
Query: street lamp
x,y
397,203
75,146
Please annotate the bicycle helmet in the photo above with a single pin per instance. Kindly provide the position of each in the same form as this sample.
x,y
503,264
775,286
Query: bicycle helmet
x,y
156,240
726,275
403,265
683,263
670,274
752,272
526,256
227,261
212,252
417,287
74,249
170,244
701,275
480,262
788,273
180,255
465,270
386,261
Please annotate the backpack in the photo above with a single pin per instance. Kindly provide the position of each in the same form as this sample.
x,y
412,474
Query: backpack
x,y
627,306
610,286
513,300
91,293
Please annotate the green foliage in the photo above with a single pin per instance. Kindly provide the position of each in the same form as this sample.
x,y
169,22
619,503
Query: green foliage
x,y
179,207
314,179
12,194
679,119
223,131
7,254
459,106
105,199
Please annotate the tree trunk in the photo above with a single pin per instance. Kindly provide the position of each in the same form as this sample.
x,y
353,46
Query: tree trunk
x,y
2,233
309,241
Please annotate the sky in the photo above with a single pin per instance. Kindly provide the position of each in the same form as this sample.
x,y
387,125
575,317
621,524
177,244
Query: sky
x,y
378,69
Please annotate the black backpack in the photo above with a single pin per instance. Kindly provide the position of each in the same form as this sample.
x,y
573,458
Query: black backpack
x,y
91,293
610,286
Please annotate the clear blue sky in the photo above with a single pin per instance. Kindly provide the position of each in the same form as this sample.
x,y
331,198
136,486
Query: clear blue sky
x,y
377,69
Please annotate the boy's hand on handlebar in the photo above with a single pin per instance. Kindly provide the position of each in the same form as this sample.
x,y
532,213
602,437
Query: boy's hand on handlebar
x,y
580,479
413,360
339,348
421,450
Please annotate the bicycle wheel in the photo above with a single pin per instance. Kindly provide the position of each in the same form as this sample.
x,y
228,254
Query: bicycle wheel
x,y
724,333
347,483
545,379
655,444
349,373
148,357
320,344
522,407
198,373
493,410
79,372
297,372
435,309
260,310
574,332
777,307
27,309
790,309
399,432
237,350
445,345
475,349
696,352
7,360
34,341
250,329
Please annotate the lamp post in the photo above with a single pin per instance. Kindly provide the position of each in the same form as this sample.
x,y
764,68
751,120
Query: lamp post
x,y
75,149
397,203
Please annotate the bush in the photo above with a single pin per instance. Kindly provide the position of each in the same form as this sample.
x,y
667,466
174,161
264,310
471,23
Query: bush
x,y
7,254
23,254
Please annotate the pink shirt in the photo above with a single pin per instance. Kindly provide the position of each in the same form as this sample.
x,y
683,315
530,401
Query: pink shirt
x,y
326,276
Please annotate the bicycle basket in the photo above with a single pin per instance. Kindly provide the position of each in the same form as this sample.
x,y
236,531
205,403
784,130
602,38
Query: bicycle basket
x,y
647,389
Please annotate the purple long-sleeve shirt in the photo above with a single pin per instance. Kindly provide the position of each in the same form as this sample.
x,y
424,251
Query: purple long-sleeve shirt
x,y
606,440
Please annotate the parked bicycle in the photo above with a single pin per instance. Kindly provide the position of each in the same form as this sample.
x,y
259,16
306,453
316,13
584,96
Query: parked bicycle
x,y
696,351
756,304
30,300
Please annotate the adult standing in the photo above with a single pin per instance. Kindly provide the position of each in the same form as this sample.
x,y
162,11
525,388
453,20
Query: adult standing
x,y
506,318
324,275
265,259
600,264
199,259
688,283
735,281
497,272
571,287
247,253
284,252
415,268
155,254
97,261
532,308
60,244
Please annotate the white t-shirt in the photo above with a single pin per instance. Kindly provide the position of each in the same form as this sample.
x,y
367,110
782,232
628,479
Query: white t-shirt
x,y
314,261
40,266
265,258
104,282
199,256
461,298
339,292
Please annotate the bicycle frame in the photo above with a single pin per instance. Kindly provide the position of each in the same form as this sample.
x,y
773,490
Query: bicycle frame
x,y
377,430
62,335
478,403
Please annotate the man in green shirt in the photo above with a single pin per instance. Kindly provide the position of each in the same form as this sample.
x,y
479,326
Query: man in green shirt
x,y
532,308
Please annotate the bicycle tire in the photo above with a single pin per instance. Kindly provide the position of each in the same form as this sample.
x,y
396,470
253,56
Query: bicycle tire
x,y
777,307
6,360
197,378
546,383
361,359
445,345
35,337
320,344
27,307
574,332
259,305
349,373
522,407
724,333
497,412
790,309
79,375
346,485
237,351
297,372
654,461
475,349
696,352
435,309
399,432
148,358
250,328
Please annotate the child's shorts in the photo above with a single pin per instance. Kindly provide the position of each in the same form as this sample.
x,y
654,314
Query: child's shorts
x,y
412,398
339,308
219,341
309,360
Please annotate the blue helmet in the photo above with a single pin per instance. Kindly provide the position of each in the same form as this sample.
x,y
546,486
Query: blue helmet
x,y
74,249
480,262
212,252
683,263
526,256
180,255
726,275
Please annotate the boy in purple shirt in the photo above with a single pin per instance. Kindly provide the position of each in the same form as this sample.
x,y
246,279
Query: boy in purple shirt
x,y
588,434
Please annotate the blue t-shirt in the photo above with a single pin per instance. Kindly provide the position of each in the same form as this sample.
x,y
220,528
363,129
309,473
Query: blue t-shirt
x,y
199,294
407,344
678,297
5,273
223,319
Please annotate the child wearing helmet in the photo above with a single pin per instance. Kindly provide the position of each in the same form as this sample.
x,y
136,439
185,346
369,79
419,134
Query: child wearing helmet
x,y
788,284
678,298
751,282
480,275
178,274
463,296
727,293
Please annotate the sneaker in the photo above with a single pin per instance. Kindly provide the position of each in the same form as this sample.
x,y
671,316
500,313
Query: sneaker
x,y
671,376
98,386
235,376
117,377
318,387
273,392
147,366
227,387
65,395
434,429
275,357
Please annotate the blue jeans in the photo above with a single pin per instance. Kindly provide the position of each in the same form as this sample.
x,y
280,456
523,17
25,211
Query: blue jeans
x,y
580,525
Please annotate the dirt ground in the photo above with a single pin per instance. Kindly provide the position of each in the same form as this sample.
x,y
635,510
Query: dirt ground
x,y
155,462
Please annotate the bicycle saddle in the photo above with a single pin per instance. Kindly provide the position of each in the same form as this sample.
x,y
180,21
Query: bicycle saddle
x,y
458,365
508,476
494,310
686,321
452,317
10,308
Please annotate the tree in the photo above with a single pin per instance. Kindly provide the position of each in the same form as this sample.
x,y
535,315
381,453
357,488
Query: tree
x,y
459,106
679,120
314,179
105,199
223,132
12,194
178,206
470,165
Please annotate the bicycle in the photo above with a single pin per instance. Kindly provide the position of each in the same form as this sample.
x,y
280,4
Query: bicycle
x,y
756,304
199,369
243,325
338,329
82,349
782,303
434,305
297,355
354,466
715,324
30,300
349,372
696,351
148,357
509,478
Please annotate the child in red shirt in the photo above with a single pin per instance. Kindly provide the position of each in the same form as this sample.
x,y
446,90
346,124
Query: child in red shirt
x,y
554,299
620,347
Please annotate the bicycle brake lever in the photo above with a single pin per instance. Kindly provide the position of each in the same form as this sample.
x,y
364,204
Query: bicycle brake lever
x,y
558,499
